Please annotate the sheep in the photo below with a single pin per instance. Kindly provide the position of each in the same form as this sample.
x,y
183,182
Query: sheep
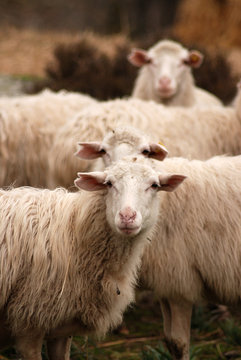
x,y
69,261
191,132
166,77
45,158
119,143
195,253
92,123
27,126
181,279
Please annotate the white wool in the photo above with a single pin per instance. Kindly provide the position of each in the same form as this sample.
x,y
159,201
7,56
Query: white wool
x,y
196,251
27,126
65,267
170,54
189,132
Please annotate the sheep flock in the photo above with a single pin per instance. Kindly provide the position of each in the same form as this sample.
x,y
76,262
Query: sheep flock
x,y
99,196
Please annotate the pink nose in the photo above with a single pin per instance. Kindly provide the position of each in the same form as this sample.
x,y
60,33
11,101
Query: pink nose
x,y
127,215
164,81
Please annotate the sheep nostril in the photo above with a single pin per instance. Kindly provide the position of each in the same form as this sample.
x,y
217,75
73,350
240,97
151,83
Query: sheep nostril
x,y
164,80
127,215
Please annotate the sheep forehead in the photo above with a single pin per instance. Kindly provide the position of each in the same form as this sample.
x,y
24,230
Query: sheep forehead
x,y
125,135
132,167
168,47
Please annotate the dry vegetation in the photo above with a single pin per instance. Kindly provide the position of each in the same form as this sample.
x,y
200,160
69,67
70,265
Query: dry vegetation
x,y
214,25
97,65
27,52
209,22
93,64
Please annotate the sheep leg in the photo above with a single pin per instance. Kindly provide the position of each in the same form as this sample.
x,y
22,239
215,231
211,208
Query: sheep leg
x,y
177,324
30,346
59,348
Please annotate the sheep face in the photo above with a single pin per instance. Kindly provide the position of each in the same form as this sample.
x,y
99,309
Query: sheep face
x,y
119,143
131,201
167,65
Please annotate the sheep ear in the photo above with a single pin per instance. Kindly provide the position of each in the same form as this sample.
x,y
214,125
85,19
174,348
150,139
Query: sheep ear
x,y
158,152
194,59
139,57
91,181
170,182
89,150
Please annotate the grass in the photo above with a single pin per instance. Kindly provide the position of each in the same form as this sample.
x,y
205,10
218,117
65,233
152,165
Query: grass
x,y
141,337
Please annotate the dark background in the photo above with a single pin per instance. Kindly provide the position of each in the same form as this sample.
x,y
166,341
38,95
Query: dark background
x,y
135,17
49,39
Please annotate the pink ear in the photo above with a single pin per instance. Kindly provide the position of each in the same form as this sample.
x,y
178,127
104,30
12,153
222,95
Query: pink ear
x,y
89,150
158,152
139,57
170,182
91,181
194,59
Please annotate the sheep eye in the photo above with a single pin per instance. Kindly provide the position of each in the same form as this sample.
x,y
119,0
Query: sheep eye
x,y
145,152
185,62
109,183
102,151
154,186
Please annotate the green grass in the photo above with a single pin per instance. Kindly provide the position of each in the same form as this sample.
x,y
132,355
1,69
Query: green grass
x,y
141,337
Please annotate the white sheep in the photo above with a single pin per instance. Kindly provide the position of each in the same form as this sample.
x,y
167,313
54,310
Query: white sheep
x,y
196,252
27,126
119,143
92,123
69,261
165,76
44,158
190,132
191,254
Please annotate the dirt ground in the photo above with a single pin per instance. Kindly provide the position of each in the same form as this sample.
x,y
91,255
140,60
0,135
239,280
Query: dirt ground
x,y
26,52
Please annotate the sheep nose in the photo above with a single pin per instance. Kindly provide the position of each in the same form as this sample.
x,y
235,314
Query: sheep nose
x,y
164,81
127,215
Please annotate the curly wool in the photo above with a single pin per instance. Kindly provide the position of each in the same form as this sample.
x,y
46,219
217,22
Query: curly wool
x,y
27,127
195,253
189,132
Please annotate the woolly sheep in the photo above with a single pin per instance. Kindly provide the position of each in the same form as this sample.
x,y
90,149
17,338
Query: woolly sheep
x,y
45,158
166,77
69,260
175,264
195,253
191,132
27,126
92,123
119,143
